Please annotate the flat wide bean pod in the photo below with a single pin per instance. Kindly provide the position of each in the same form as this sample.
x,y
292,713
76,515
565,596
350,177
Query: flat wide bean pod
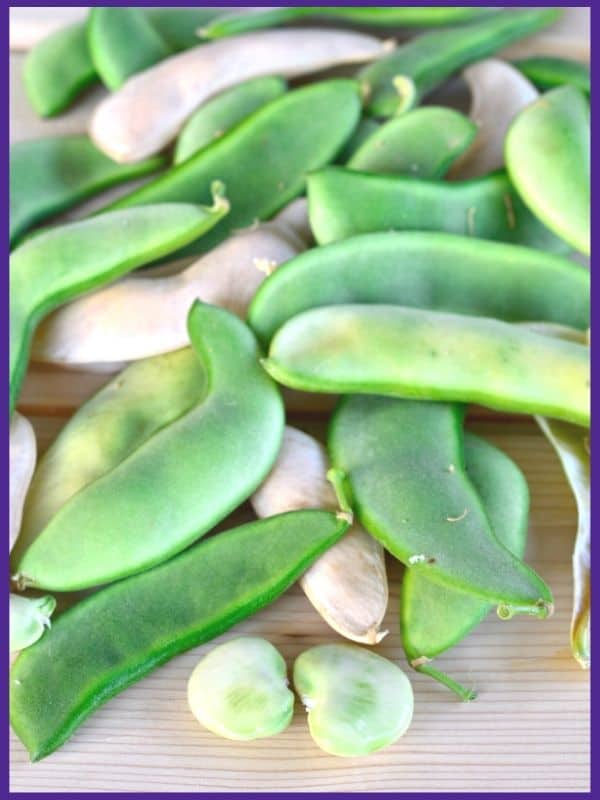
x,y
423,143
348,584
147,112
420,16
438,271
547,151
547,72
398,81
343,202
140,317
263,160
51,175
120,634
58,265
408,352
435,617
223,112
22,455
122,41
180,482
404,466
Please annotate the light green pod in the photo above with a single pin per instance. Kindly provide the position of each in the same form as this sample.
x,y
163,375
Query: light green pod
x,y
58,265
217,116
178,25
58,69
547,154
29,618
433,617
423,144
263,160
431,355
357,701
239,690
50,175
398,82
419,16
548,72
121,42
437,271
177,483
344,203
402,462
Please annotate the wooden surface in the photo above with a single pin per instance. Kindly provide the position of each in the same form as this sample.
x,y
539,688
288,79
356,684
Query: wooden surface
x,y
528,731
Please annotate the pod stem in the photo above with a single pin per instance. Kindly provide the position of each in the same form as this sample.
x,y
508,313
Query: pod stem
x,y
541,609
337,478
466,695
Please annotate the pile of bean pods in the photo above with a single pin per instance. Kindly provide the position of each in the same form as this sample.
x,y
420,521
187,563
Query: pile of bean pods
x,y
351,237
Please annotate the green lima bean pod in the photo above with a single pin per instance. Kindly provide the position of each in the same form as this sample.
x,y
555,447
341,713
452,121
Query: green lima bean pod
x,y
57,265
433,617
548,72
402,463
121,633
182,475
398,82
435,271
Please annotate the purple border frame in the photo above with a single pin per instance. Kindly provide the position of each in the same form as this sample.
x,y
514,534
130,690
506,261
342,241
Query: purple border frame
x,y
4,790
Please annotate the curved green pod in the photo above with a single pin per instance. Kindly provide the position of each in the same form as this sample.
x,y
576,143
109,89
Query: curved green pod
x,y
398,81
121,42
403,463
263,160
120,634
433,617
432,355
180,482
549,72
51,175
364,129
178,25
437,271
217,116
423,143
58,69
547,153
58,265
344,203
419,16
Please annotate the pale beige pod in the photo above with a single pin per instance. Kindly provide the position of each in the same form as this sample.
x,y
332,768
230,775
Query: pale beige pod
x,y
498,92
147,112
22,463
348,584
139,317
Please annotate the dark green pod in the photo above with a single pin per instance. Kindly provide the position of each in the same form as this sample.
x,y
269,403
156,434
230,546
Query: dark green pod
x,y
548,72
398,82
120,634
50,175
404,465
344,203
437,271
433,617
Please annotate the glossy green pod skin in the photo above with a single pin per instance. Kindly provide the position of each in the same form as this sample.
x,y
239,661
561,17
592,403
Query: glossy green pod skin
x,y
121,42
547,154
121,633
419,16
436,271
218,115
547,72
344,203
433,617
263,160
58,265
50,175
403,465
432,355
398,82
365,128
423,144
58,69
180,482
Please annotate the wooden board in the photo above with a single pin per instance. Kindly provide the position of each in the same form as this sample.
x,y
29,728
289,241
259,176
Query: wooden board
x,y
528,731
